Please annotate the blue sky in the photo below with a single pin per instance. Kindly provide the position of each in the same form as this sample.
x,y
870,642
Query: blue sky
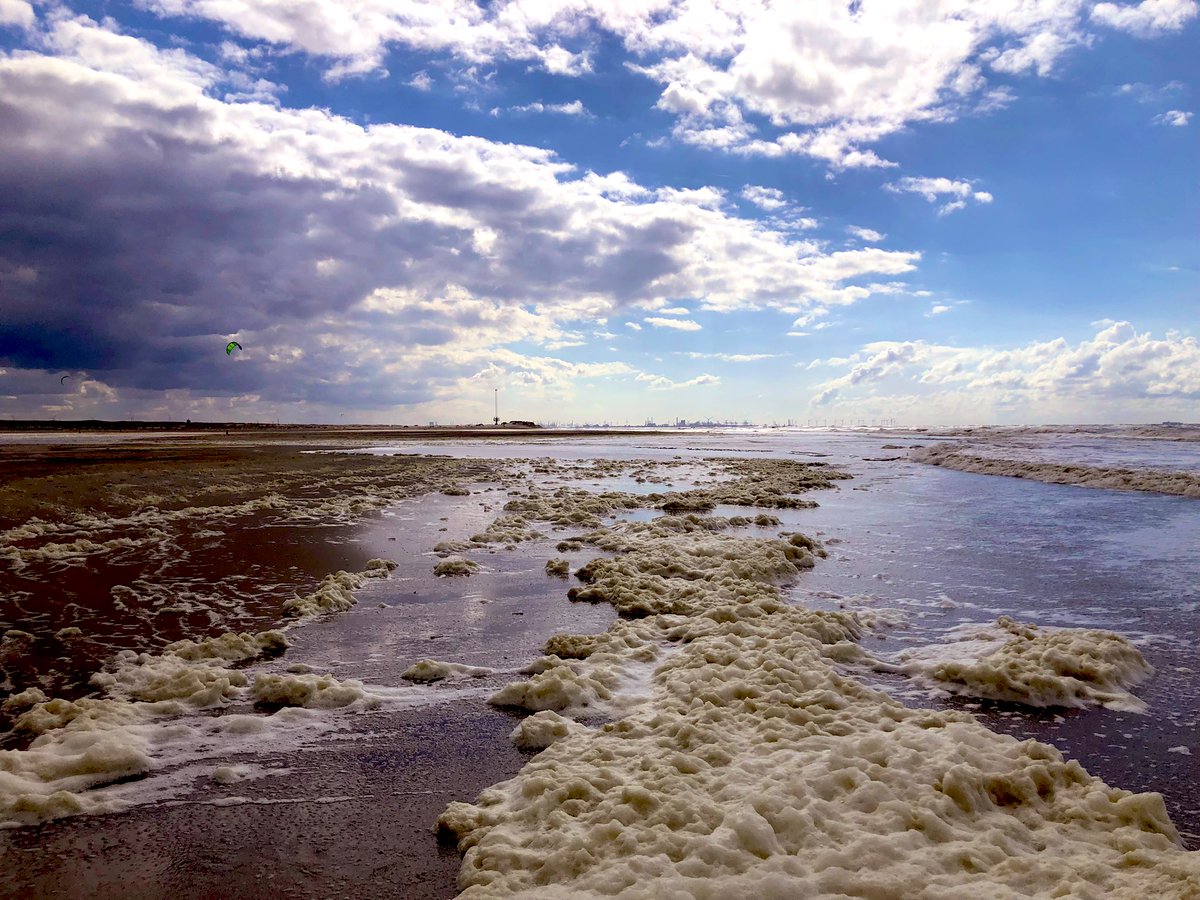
x,y
935,212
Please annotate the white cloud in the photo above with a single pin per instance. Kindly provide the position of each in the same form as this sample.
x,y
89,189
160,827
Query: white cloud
x,y
1174,117
662,383
1150,18
677,324
1118,368
421,81
1148,93
822,78
937,309
17,12
933,189
764,197
730,357
869,235
633,325
574,108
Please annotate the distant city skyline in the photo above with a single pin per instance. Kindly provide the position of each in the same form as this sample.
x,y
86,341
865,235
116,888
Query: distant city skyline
x,y
935,213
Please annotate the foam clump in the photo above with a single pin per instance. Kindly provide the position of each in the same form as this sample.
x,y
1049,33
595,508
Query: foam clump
x,y
24,699
311,691
560,568
51,778
230,647
558,685
192,672
335,593
455,566
1036,667
506,530
85,743
429,670
542,729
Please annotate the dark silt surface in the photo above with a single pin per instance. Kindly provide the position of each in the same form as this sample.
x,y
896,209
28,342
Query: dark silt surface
x,y
298,837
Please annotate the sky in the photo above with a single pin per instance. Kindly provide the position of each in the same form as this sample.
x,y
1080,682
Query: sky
x,y
933,212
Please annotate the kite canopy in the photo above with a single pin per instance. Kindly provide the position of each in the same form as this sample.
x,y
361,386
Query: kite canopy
x,y
63,380
229,347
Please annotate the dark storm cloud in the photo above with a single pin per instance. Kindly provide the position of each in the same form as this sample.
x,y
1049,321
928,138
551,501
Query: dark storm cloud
x,y
144,238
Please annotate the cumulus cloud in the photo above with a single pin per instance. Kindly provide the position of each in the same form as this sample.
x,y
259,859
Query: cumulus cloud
x,y
677,324
870,235
574,108
1173,117
1117,368
824,78
1150,18
935,189
421,81
764,197
148,218
18,13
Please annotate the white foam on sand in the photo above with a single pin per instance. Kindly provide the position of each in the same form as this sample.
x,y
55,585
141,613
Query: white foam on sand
x,y
753,768
1034,666
429,670
455,566
312,691
336,592
957,457
542,729
141,723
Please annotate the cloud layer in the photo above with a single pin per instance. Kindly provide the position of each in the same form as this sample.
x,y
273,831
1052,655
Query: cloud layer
x,y
149,218
1117,369
823,78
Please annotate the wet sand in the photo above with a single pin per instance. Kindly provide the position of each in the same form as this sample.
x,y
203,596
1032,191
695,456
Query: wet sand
x,y
297,837
223,559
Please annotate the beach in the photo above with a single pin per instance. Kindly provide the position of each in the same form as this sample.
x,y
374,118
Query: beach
x,y
686,664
